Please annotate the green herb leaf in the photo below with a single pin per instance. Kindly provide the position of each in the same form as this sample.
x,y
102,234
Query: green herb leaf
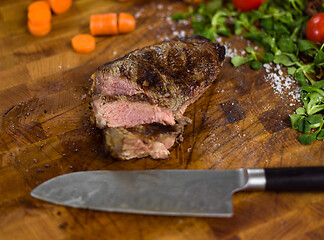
x,y
285,59
214,5
257,37
256,65
311,89
306,139
291,70
319,59
301,78
267,25
313,119
304,45
280,29
267,57
295,118
307,126
238,28
300,125
179,16
286,44
320,135
238,60
300,111
319,84
249,49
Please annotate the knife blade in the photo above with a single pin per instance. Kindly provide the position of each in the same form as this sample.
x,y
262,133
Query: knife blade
x,y
205,193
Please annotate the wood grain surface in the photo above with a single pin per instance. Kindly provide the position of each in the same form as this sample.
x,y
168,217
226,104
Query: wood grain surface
x,y
241,121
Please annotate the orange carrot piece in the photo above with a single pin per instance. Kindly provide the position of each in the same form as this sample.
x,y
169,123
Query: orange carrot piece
x,y
39,15
103,24
38,5
39,29
60,6
126,23
83,43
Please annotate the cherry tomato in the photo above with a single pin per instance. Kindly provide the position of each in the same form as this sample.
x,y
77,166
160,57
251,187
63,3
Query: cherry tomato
x,y
315,28
247,5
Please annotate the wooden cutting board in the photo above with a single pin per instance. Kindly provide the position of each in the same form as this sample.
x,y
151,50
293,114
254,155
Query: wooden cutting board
x,y
241,121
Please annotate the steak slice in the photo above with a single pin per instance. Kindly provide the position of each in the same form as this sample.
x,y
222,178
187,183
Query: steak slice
x,y
143,140
124,113
152,87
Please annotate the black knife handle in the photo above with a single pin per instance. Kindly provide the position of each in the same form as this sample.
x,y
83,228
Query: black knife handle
x,y
294,179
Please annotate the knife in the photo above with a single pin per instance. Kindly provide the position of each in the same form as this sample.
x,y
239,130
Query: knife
x,y
205,193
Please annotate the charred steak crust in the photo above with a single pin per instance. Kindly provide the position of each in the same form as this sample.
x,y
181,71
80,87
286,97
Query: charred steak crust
x,y
191,63
168,76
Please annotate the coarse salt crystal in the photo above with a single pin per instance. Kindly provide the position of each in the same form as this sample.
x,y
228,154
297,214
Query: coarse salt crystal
x,y
184,22
230,52
283,85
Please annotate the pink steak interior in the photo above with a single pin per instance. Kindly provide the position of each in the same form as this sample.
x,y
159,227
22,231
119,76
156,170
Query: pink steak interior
x,y
128,114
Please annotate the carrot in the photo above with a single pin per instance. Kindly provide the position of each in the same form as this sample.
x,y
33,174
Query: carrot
x,y
83,43
34,6
39,13
39,29
126,23
39,18
103,24
60,6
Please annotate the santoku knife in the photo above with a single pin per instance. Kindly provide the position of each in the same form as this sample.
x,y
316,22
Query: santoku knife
x,y
206,193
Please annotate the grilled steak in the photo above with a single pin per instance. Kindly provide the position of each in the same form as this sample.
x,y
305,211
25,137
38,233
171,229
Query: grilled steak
x,y
140,141
139,100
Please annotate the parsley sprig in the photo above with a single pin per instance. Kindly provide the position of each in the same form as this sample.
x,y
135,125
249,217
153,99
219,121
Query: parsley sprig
x,y
278,27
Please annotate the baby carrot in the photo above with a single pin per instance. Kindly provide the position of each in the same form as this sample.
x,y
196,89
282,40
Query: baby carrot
x,y
60,6
126,23
83,43
39,29
103,24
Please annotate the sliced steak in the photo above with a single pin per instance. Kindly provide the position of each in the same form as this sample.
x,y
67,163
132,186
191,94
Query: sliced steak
x,y
143,140
173,74
152,87
124,113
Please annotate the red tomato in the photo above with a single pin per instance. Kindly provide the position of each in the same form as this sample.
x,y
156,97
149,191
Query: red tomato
x,y
247,5
315,28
